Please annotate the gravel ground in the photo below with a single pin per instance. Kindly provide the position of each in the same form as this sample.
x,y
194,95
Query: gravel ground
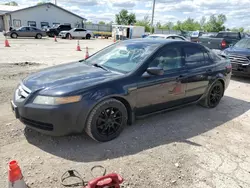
x,y
190,147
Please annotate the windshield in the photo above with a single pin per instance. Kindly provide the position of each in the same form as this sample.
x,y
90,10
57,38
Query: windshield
x,y
123,57
244,43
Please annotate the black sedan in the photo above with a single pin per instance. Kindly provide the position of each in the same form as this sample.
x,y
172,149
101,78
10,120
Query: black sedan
x,y
104,93
239,55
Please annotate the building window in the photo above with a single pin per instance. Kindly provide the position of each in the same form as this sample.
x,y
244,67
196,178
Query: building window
x,y
55,24
67,24
44,25
16,23
32,23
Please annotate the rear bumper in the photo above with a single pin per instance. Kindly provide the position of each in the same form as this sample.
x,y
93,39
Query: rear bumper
x,y
62,35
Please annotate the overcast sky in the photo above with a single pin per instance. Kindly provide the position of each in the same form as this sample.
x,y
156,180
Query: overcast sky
x,y
237,11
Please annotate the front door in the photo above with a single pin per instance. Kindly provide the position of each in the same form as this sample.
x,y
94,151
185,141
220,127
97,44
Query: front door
x,y
156,93
23,32
75,33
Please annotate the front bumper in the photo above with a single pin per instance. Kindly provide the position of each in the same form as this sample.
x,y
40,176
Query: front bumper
x,y
62,35
241,69
52,120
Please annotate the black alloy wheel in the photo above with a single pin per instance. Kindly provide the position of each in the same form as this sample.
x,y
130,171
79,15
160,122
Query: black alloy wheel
x,y
214,95
106,120
109,121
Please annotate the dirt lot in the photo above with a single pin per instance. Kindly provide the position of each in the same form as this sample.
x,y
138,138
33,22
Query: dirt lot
x,y
191,147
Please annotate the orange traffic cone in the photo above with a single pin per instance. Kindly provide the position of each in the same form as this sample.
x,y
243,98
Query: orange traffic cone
x,y
15,176
6,43
70,37
78,48
55,38
87,53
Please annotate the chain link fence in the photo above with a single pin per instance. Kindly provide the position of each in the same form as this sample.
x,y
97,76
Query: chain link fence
x,y
164,31
98,27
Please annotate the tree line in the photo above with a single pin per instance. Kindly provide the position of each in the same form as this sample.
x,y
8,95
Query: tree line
x,y
215,23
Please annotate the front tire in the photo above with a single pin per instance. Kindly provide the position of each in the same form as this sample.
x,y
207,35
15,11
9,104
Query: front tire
x,y
68,36
107,120
214,95
13,35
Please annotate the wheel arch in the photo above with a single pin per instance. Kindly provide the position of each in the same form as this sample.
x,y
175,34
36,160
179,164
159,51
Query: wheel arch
x,y
220,79
13,33
223,83
93,105
128,107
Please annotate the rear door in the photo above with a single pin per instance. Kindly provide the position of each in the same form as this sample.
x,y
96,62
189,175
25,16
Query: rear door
x,y
200,71
33,31
82,33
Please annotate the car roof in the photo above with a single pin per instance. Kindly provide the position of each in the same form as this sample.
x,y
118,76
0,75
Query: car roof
x,y
153,41
164,35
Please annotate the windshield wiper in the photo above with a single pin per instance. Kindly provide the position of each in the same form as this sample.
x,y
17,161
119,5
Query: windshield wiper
x,y
100,66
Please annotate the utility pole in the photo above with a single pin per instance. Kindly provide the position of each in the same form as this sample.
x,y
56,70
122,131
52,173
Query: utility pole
x,y
55,2
152,20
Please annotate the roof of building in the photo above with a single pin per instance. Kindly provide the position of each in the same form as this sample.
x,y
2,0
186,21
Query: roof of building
x,y
7,8
51,4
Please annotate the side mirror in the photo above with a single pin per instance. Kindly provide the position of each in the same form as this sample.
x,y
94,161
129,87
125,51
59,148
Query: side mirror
x,y
157,71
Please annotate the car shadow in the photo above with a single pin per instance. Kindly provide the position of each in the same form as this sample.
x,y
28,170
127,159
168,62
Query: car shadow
x,y
173,126
241,79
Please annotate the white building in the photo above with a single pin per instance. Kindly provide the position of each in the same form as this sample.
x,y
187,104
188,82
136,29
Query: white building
x,y
43,15
4,9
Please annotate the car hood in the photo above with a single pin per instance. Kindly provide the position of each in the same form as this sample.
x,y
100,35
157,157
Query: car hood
x,y
240,51
67,78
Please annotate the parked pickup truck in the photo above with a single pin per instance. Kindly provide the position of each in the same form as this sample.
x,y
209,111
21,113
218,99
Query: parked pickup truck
x,y
222,40
51,32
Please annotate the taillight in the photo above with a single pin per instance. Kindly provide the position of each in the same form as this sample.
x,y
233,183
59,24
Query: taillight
x,y
228,67
223,44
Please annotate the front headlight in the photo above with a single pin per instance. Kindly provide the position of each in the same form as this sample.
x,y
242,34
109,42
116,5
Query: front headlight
x,y
48,100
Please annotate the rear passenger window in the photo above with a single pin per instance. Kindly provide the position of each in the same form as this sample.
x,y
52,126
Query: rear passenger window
x,y
206,58
233,35
193,56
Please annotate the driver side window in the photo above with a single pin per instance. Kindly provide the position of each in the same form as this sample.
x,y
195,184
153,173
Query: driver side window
x,y
168,59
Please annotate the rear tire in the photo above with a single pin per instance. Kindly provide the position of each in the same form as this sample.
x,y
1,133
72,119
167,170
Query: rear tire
x,y
88,36
214,95
14,35
39,36
106,120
